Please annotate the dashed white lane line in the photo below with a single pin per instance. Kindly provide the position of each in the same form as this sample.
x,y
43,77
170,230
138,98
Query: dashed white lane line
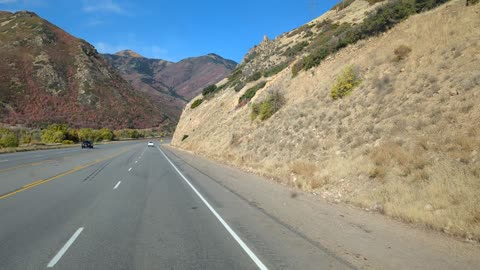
x,y
130,169
242,244
118,184
136,161
64,248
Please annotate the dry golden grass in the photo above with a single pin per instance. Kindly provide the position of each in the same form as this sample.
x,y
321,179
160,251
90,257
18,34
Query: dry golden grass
x,y
407,137
447,200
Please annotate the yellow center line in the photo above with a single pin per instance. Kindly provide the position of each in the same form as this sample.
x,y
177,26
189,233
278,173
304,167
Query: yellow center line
x,y
33,183
43,181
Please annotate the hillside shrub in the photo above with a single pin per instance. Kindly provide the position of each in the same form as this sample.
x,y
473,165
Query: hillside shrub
x,y
8,138
235,76
308,33
372,2
345,83
297,67
184,137
266,108
221,87
296,49
68,142
196,103
315,58
333,37
209,89
472,2
250,93
275,69
401,52
239,86
255,111
255,76
386,17
424,5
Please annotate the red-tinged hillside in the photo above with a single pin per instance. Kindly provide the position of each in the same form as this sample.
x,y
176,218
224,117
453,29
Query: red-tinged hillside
x,y
49,76
170,85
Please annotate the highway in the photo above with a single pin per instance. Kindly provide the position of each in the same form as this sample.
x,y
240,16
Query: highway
x,y
129,206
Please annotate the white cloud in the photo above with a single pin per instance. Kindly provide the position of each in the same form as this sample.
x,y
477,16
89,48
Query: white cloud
x,y
156,52
106,6
94,22
104,47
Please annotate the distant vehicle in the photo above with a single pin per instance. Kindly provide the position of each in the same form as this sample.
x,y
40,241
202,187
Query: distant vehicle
x,y
150,144
87,144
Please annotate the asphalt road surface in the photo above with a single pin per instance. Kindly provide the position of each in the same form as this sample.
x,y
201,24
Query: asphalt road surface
x,y
129,206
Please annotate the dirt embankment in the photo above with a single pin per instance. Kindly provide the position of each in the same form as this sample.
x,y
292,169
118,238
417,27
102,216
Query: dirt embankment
x,y
405,142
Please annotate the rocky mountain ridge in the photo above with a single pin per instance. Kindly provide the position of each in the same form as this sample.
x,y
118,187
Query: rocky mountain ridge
x,y
48,76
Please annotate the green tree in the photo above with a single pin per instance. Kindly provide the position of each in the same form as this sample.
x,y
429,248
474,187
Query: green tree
x,y
8,138
55,133
209,89
106,134
196,103
72,135
86,134
25,136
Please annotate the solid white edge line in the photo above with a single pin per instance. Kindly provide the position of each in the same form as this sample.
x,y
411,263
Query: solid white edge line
x,y
118,184
64,248
130,169
242,244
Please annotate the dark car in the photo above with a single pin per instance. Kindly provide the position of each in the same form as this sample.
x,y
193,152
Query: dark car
x,y
87,144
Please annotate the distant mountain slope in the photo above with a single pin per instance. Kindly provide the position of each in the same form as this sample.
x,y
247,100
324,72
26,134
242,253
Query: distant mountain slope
x,y
170,84
129,53
47,76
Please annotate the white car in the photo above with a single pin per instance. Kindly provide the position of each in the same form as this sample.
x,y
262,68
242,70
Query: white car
x,y
150,144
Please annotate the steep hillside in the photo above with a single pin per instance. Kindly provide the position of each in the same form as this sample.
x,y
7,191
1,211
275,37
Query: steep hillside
x,y
49,76
378,114
170,84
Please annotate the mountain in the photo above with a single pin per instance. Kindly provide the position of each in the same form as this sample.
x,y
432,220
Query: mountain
x,y
129,53
375,103
48,76
171,84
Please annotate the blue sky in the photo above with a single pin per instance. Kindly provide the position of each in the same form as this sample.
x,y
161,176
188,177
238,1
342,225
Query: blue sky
x,y
174,30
